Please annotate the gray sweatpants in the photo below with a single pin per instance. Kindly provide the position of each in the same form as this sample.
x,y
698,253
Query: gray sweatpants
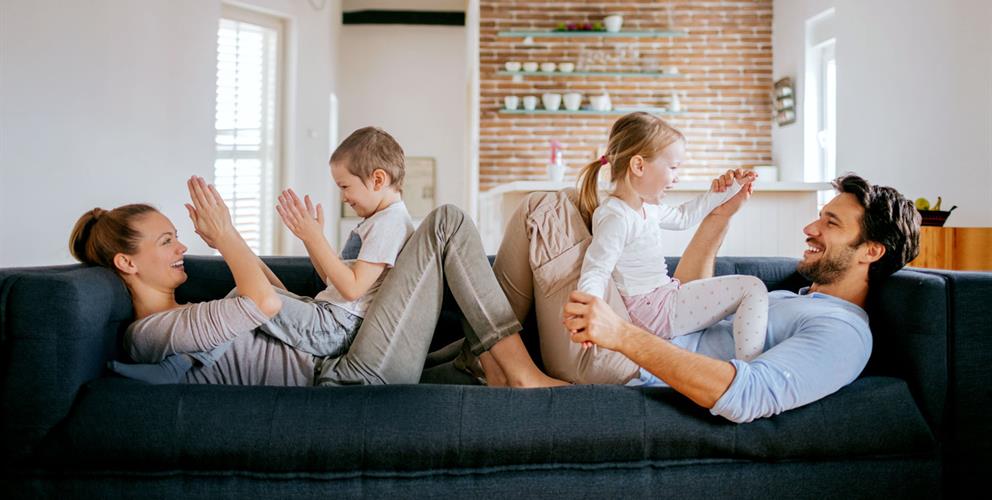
x,y
392,343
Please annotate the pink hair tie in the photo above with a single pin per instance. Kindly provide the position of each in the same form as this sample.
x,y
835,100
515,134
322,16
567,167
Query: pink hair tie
x,y
603,160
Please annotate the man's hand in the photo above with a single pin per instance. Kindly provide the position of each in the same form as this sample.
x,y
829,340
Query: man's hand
x,y
590,319
731,206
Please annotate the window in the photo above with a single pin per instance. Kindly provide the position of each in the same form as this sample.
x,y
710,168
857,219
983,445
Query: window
x,y
246,163
820,96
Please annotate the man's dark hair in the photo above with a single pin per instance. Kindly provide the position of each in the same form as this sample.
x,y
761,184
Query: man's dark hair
x,y
890,219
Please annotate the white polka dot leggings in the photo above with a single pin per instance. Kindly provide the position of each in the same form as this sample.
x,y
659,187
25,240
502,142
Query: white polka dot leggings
x,y
703,303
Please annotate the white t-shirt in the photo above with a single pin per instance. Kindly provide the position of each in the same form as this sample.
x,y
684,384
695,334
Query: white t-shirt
x,y
627,244
383,235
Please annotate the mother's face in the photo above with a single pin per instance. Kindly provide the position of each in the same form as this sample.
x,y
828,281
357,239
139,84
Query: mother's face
x,y
158,263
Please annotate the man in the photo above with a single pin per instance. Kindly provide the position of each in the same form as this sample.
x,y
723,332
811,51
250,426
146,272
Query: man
x,y
818,340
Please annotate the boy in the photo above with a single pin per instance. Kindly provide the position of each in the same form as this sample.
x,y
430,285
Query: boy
x,y
368,168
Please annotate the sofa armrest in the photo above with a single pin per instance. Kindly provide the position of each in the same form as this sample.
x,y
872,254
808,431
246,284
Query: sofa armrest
x,y
968,437
60,329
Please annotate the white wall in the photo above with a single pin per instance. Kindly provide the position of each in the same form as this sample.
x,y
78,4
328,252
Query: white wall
x,y
413,82
914,84
108,102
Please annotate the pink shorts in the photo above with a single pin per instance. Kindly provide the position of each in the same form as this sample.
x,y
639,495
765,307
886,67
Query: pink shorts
x,y
652,311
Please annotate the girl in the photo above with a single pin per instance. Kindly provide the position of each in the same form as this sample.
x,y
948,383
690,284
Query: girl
x,y
644,154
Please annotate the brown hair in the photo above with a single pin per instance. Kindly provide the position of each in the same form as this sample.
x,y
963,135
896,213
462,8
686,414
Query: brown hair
x,y
371,148
99,235
890,220
633,134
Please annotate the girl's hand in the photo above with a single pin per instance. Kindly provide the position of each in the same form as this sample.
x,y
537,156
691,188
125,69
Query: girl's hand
x,y
304,220
742,176
210,215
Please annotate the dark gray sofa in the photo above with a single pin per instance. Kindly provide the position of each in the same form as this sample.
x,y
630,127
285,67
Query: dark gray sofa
x,y
915,424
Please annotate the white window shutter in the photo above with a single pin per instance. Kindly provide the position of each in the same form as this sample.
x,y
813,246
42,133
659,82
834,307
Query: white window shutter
x,y
247,153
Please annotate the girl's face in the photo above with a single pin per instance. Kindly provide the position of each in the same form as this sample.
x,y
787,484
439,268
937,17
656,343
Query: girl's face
x,y
158,262
653,178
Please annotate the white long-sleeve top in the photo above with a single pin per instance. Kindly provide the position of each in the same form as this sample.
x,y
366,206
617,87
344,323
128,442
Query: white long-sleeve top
x,y
627,244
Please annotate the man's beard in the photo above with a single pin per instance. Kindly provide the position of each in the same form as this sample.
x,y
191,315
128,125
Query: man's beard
x,y
827,269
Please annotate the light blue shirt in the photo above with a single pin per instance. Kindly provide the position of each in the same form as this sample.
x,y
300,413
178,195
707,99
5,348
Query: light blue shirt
x,y
816,344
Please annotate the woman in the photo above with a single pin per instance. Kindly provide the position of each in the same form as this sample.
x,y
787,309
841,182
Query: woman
x,y
141,246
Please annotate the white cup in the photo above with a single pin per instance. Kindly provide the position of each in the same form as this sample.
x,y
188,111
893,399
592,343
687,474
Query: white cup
x,y
530,66
600,102
551,101
566,67
530,102
613,22
512,65
573,101
511,102
548,67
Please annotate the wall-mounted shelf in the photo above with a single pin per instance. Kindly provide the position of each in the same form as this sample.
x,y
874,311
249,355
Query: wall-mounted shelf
x,y
575,34
614,112
622,74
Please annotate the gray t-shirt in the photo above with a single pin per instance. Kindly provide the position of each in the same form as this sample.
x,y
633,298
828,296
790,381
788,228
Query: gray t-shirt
x,y
253,358
382,236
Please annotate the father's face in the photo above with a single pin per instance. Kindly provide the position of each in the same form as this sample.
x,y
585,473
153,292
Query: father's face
x,y
832,241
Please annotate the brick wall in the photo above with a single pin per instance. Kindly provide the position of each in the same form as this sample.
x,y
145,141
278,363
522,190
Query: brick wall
x,y
726,60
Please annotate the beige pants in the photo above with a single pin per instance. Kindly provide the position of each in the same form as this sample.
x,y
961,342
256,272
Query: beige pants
x,y
538,264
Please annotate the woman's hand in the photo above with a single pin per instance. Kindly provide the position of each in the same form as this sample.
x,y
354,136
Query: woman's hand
x,y
210,216
304,220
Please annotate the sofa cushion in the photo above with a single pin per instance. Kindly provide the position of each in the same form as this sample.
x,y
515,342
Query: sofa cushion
x,y
126,424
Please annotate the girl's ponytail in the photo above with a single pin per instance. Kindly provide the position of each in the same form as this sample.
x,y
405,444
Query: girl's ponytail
x,y
589,190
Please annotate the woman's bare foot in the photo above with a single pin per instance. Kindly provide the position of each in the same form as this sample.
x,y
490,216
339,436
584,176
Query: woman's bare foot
x,y
538,379
518,369
494,374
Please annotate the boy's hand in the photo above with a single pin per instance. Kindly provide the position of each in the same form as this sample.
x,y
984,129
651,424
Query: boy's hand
x,y
304,220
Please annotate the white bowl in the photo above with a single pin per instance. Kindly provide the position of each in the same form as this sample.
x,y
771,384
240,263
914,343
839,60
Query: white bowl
x,y
548,67
566,67
530,66
511,102
512,65
530,102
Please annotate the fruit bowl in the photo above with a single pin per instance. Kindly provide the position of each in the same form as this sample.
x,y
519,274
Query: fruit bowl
x,y
935,217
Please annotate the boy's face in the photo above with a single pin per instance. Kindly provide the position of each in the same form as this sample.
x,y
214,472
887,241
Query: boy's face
x,y
362,196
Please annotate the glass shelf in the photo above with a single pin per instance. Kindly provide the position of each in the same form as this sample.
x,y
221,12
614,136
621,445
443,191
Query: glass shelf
x,y
574,34
655,111
625,74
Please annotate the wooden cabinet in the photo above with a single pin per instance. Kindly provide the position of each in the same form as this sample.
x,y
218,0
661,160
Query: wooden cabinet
x,y
955,248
